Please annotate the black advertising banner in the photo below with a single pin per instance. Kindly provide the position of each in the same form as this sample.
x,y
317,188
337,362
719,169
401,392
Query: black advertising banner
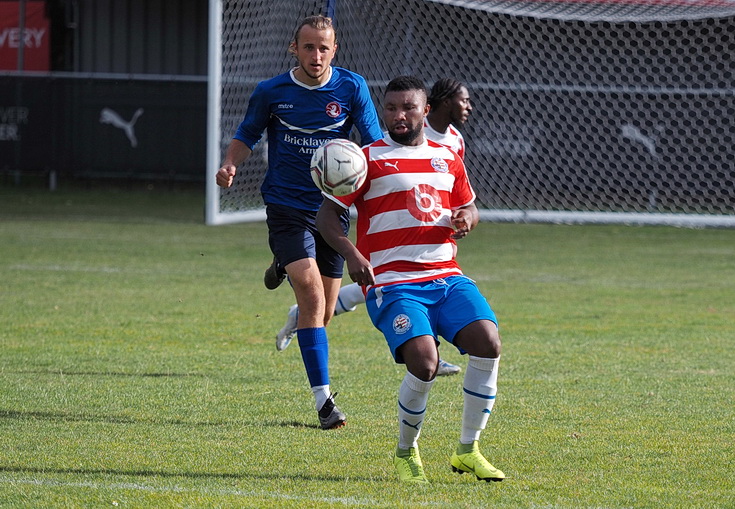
x,y
103,128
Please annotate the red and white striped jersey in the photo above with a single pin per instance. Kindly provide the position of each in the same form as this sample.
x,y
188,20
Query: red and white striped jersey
x,y
404,210
452,138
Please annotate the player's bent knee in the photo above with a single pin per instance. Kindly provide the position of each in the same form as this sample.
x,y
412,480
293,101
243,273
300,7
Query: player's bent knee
x,y
421,357
424,372
480,338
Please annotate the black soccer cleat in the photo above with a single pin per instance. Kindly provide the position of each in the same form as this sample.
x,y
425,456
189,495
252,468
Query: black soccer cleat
x,y
274,275
331,417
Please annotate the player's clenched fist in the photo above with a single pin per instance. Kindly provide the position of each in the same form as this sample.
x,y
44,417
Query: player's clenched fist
x,y
464,220
226,175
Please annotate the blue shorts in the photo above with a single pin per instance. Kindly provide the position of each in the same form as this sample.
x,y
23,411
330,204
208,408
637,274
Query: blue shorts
x,y
436,308
292,236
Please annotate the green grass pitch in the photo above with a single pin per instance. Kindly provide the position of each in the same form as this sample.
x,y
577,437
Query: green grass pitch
x,y
138,368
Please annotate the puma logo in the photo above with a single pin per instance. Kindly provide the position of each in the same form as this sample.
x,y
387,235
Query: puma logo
x,y
414,426
634,134
392,165
340,162
108,116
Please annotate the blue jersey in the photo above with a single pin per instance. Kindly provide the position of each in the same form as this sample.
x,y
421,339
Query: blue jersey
x,y
300,118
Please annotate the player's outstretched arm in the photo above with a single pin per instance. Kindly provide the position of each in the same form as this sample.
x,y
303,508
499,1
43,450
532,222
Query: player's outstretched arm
x,y
330,228
237,153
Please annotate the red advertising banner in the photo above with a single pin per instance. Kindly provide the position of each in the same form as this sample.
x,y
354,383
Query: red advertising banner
x,y
35,37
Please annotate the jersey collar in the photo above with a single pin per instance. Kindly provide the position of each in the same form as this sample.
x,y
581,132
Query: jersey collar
x,y
310,87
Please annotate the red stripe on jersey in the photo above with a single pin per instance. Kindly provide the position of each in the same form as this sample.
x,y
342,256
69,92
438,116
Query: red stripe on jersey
x,y
407,237
451,266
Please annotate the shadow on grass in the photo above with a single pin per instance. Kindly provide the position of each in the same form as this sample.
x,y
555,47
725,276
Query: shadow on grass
x,y
62,372
187,475
112,419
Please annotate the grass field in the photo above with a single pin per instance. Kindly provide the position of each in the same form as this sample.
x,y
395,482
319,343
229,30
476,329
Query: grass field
x,y
138,368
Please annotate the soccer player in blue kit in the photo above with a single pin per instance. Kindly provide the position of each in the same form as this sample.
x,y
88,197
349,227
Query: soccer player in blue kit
x,y
302,109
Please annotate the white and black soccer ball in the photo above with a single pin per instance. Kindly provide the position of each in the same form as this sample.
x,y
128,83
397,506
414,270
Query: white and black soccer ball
x,y
339,167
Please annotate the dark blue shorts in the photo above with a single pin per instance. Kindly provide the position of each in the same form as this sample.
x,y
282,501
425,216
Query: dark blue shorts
x,y
292,236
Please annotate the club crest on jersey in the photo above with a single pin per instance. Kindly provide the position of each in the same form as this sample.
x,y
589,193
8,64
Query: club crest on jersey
x,y
334,109
439,165
401,324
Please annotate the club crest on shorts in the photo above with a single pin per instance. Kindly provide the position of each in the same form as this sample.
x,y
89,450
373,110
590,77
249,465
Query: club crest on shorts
x,y
401,324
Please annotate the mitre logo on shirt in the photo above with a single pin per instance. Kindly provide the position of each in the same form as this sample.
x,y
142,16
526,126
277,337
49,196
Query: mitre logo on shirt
x,y
333,109
285,106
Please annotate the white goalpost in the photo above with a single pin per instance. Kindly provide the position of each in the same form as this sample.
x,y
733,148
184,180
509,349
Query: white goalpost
x,y
217,138
214,94
592,111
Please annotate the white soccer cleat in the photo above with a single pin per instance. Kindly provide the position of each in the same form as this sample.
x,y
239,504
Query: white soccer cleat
x,y
284,336
447,368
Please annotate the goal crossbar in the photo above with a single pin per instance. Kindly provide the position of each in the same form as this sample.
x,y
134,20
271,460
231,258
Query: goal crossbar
x,y
614,112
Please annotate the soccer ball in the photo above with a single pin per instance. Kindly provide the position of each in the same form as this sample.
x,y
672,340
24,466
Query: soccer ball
x,y
338,167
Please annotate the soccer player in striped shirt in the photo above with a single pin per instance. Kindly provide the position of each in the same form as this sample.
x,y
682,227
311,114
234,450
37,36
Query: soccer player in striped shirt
x,y
416,203
450,107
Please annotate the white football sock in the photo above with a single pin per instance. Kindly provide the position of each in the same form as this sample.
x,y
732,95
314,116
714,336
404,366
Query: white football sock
x,y
412,398
348,299
480,386
321,394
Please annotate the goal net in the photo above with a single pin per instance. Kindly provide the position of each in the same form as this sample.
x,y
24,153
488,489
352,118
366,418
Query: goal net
x,y
583,110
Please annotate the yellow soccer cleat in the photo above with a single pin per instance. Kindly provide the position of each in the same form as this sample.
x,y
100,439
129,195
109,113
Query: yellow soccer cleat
x,y
409,466
475,463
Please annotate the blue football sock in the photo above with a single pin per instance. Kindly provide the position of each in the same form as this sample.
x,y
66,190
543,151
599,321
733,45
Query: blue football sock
x,y
315,353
